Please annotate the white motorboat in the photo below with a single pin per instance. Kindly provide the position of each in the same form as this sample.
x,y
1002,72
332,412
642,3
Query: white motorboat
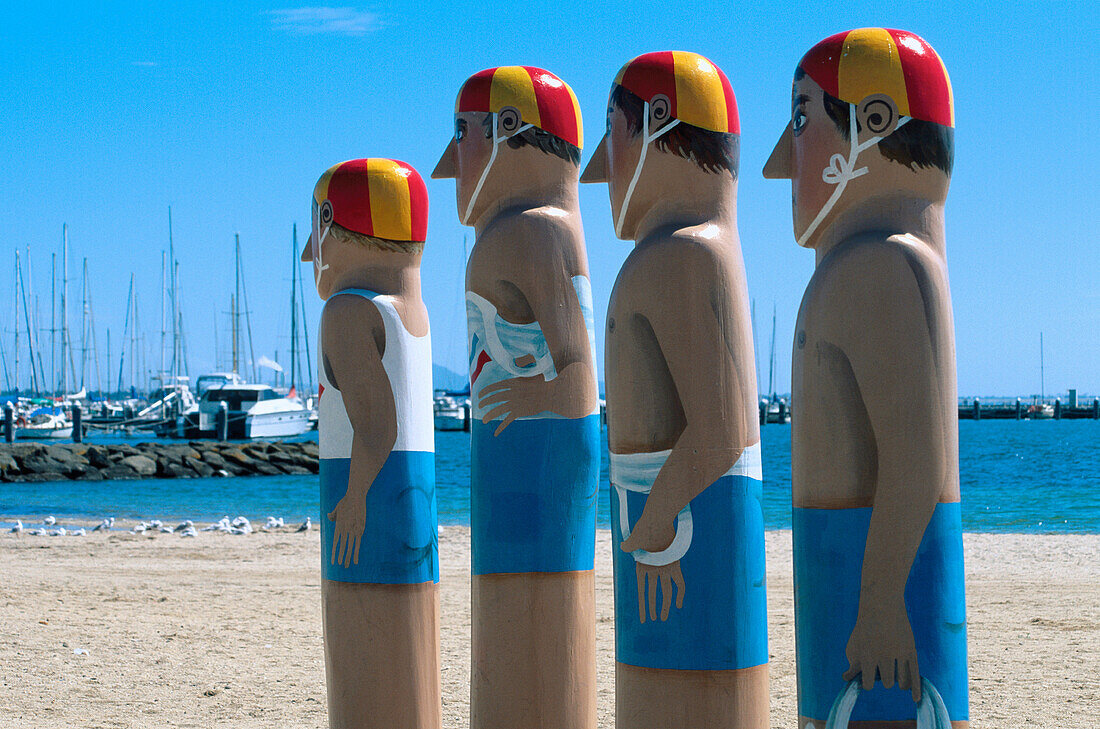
x,y
254,411
44,424
451,413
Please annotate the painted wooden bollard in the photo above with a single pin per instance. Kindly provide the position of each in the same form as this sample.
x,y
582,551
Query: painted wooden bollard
x,y
876,526
683,427
379,551
534,465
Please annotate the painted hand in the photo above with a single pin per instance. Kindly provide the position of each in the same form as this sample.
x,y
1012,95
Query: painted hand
x,y
668,575
350,517
516,397
655,535
882,645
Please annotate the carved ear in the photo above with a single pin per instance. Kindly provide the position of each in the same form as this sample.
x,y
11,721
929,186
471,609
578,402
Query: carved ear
x,y
508,121
660,111
878,114
324,213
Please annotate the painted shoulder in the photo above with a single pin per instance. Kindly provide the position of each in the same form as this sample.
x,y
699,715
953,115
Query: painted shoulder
x,y
346,315
871,276
669,266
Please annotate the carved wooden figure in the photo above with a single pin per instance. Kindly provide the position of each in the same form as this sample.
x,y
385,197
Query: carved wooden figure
x,y
535,441
687,522
877,533
380,572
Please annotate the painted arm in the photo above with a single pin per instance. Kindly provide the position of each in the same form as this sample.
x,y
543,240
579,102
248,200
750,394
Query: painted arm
x,y
692,342
893,363
573,392
354,340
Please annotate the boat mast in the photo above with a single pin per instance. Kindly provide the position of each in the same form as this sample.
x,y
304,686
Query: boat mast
x,y
771,363
64,302
83,324
53,314
293,305
163,293
125,331
15,318
91,330
305,329
1042,372
27,321
233,322
242,301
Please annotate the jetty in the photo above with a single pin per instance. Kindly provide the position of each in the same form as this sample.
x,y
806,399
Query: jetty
x,y
194,459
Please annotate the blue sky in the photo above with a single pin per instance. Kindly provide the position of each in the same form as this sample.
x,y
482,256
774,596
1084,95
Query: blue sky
x,y
111,112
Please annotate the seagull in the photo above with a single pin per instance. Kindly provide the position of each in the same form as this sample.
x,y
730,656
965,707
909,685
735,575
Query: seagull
x,y
105,525
188,532
186,524
18,528
77,532
156,523
49,521
139,528
59,532
274,523
222,525
305,526
242,524
167,529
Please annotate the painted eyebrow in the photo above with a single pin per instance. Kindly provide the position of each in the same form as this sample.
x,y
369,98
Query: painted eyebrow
x,y
801,99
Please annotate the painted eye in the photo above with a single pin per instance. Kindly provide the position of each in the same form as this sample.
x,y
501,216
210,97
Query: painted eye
x,y
798,121
460,130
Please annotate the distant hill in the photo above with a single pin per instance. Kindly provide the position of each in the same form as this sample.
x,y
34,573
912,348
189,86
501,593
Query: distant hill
x,y
447,379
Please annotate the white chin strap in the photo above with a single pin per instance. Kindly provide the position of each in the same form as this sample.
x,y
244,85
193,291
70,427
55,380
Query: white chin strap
x,y
492,158
318,268
646,139
840,170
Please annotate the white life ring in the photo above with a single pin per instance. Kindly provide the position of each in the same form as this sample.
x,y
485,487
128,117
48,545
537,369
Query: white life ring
x,y
931,712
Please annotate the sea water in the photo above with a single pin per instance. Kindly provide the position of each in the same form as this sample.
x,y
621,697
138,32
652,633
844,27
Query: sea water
x,y
1016,476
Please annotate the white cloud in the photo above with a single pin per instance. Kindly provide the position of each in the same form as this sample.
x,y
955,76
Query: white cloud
x,y
313,21
144,64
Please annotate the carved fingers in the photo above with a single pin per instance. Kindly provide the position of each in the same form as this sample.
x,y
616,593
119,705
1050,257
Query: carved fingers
x,y
670,577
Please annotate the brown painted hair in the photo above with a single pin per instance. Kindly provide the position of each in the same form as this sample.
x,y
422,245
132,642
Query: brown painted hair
x,y
712,151
917,144
344,235
543,140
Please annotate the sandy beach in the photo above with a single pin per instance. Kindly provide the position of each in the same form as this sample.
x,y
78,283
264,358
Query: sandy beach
x,y
220,628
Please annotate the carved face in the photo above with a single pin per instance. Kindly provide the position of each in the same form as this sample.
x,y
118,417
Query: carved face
x,y
814,139
623,150
472,150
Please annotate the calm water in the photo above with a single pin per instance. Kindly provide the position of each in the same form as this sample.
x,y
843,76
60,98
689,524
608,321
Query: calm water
x,y
1027,476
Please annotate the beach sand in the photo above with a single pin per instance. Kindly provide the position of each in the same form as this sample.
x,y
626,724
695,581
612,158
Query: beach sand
x,y
225,629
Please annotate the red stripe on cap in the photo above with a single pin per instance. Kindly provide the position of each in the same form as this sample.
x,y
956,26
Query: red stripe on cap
x,y
926,82
349,193
474,95
733,120
651,74
418,204
822,63
557,114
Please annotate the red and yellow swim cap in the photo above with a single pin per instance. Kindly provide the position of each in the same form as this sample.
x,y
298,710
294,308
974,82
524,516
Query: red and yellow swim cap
x,y
697,90
853,65
384,198
543,99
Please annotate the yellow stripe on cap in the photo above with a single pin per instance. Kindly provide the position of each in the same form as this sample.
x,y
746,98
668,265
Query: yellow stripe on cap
x,y
391,208
872,50
577,115
320,190
512,86
700,100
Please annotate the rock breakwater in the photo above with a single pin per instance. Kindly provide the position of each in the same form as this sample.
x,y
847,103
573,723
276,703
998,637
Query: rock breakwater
x,y
194,459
